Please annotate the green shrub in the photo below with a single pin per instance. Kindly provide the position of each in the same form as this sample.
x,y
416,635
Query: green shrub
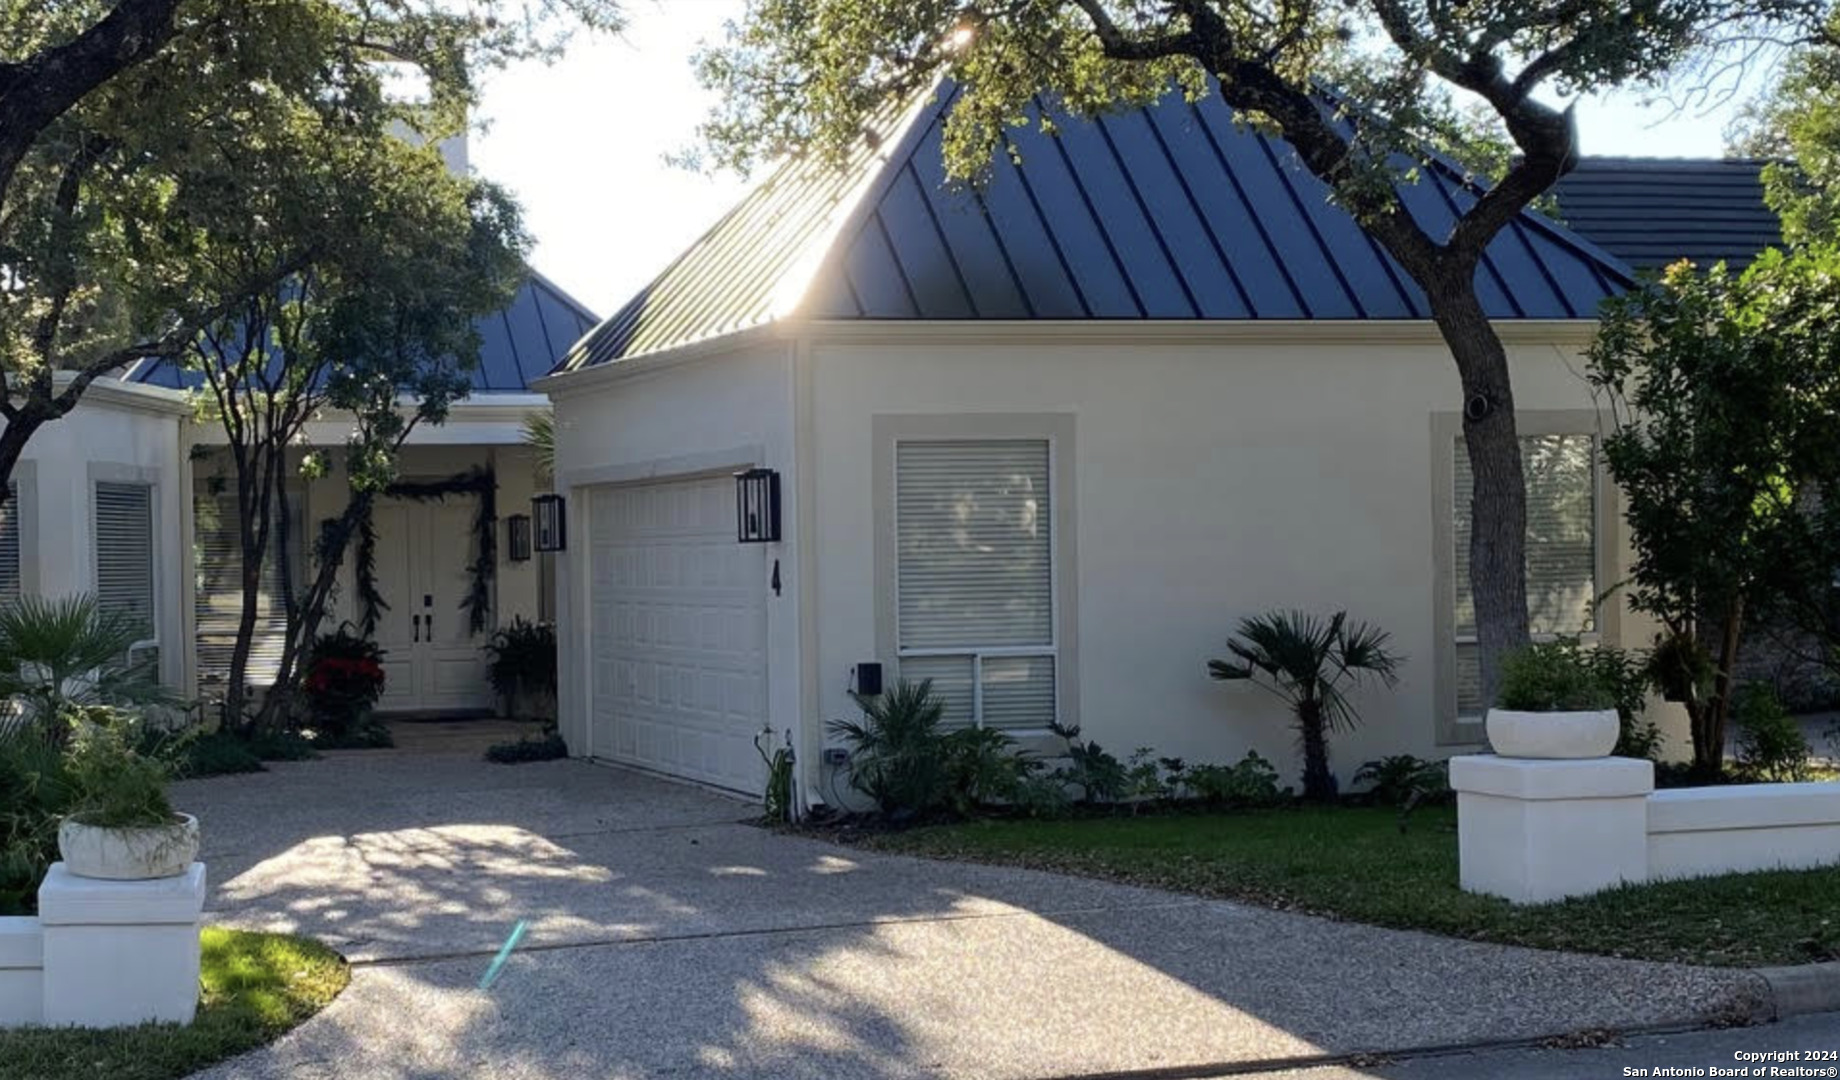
x,y
897,755
1627,677
523,658
68,652
282,746
1771,745
35,793
220,753
548,747
1552,676
111,784
366,732
982,767
1251,783
1402,779
1099,775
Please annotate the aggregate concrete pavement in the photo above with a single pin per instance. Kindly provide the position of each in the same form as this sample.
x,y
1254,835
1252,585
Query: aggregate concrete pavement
x,y
668,938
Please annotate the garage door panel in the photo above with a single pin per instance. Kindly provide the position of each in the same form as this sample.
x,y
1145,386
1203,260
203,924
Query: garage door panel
x,y
679,650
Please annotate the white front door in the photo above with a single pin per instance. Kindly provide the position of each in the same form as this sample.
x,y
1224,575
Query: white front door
x,y
679,632
433,662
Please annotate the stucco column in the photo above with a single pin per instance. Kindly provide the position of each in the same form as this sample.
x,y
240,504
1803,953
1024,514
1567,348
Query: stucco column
x,y
1538,830
118,953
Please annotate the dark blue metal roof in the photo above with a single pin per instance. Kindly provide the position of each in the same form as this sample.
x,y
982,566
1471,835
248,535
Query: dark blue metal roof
x,y
516,346
1167,212
1654,211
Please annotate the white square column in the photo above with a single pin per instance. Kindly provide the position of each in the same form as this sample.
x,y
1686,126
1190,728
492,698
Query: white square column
x,y
1535,830
118,953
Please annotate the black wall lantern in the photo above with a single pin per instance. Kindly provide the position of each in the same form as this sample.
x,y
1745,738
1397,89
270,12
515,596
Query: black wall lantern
x,y
552,522
517,537
757,506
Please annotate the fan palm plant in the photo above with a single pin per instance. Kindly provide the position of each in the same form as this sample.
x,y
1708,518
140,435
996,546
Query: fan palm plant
x,y
896,750
540,436
70,651
1311,663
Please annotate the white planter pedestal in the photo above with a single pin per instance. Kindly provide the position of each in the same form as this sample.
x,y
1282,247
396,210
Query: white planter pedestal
x,y
118,953
1533,830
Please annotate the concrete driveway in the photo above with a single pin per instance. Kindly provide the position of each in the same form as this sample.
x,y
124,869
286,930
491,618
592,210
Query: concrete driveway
x,y
668,939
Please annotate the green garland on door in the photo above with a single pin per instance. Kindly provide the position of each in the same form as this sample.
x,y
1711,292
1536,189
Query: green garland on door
x,y
479,481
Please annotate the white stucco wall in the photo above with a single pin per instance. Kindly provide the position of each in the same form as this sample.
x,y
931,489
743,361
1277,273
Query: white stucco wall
x,y
1213,480
626,424
128,433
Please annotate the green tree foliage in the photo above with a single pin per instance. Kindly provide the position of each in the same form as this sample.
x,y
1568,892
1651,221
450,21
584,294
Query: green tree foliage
x,y
1797,124
116,117
1723,391
812,74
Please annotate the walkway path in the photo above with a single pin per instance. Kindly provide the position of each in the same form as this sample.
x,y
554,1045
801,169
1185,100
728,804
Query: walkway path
x,y
667,939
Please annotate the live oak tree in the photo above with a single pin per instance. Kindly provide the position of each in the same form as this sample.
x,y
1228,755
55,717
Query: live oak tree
x,y
1796,124
810,74
395,258
101,106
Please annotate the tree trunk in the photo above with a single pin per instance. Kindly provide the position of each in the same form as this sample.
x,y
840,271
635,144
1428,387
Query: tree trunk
x,y
1708,725
1318,782
1498,502
252,510
303,625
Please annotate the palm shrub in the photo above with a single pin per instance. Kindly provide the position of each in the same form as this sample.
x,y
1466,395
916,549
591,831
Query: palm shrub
x,y
1311,664
57,654
35,793
897,754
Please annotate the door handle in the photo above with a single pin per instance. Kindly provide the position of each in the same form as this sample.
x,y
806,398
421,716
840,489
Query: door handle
x,y
417,619
430,625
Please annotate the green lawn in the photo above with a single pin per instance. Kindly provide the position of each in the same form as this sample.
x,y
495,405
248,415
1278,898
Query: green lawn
x,y
1356,864
256,986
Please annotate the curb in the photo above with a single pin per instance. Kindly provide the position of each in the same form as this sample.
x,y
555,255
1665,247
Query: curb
x,y
1801,989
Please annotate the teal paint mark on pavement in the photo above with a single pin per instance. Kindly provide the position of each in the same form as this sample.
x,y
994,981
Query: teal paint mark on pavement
x,y
504,954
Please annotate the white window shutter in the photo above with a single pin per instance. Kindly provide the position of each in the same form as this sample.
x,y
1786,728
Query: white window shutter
x,y
972,522
218,607
975,577
124,551
9,545
1561,549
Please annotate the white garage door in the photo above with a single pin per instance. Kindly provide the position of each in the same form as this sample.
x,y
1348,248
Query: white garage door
x,y
679,632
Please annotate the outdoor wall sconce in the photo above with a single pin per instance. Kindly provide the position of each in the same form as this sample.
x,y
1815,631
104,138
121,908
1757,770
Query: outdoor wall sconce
x,y
552,522
757,506
517,537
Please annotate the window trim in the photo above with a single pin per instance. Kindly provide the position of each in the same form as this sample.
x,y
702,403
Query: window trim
x,y
1446,427
1057,430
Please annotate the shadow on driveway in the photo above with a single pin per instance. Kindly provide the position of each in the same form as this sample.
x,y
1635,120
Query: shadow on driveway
x,y
667,939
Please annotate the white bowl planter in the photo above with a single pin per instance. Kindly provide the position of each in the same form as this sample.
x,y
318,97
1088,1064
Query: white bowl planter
x,y
1556,735
133,854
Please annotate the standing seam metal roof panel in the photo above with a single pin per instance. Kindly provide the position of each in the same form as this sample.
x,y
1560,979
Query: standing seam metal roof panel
x,y
1173,211
517,346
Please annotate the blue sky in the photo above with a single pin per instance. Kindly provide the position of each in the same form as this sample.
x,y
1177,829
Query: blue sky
x,y
582,144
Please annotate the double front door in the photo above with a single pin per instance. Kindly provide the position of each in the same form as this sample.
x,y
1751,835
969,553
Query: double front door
x,y
434,662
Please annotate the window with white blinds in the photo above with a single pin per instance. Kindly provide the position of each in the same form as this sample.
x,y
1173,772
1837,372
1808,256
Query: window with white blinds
x,y
218,604
975,577
9,545
124,552
1561,551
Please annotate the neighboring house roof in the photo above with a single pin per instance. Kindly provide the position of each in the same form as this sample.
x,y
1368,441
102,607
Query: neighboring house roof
x,y
517,345
1654,211
1166,212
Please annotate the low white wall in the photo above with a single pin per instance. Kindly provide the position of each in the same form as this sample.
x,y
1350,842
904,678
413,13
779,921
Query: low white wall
x,y
22,971
1695,832
1533,831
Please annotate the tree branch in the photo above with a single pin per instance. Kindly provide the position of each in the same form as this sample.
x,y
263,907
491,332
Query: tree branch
x,y
36,91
